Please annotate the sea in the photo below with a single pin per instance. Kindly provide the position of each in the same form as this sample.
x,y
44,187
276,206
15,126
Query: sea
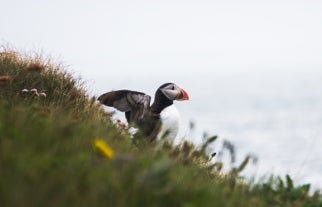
x,y
274,116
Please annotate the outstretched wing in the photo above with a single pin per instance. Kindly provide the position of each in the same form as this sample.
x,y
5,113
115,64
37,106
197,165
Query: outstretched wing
x,y
134,104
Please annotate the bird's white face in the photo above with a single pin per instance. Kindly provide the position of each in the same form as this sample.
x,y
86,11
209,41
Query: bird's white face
x,y
174,92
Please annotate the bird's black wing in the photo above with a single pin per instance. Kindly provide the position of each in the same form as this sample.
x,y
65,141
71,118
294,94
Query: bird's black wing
x,y
134,104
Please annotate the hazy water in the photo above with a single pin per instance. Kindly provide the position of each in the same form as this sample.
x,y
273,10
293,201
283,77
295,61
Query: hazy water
x,y
275,115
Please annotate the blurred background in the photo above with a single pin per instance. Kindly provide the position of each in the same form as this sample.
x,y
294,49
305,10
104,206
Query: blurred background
x,y
253,69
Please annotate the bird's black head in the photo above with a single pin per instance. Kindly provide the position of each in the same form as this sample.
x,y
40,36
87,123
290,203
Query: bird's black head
x,y
173,92
166,94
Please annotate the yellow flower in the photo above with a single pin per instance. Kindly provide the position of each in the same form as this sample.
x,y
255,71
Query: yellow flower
x,y
106,150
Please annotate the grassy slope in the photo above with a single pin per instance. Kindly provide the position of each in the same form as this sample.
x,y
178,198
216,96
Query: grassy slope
x,y
47,156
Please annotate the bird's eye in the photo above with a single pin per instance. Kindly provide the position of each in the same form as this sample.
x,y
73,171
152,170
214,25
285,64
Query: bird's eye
x,y
172,87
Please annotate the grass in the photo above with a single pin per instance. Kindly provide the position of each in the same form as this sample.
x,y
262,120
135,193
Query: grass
x,y
63,150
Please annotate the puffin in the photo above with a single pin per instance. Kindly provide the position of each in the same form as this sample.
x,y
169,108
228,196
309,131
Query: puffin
x,y
154,121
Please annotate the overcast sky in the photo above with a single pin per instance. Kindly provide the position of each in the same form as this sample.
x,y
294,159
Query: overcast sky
x,y
127,38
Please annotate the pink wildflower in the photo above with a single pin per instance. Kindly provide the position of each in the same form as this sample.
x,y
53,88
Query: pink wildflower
x,y
34,90
43,94
24,90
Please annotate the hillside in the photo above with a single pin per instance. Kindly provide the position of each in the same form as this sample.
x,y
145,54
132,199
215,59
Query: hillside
x,y
58,147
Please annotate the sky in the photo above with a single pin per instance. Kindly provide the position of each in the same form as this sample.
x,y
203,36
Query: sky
x,y
166,39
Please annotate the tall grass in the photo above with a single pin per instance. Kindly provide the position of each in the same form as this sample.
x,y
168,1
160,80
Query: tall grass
x,y
48,155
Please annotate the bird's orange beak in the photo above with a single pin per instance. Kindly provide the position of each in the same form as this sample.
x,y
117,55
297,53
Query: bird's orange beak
x,y
183,95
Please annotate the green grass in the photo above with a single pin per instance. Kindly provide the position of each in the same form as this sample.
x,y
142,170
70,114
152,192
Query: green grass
x,y
47,155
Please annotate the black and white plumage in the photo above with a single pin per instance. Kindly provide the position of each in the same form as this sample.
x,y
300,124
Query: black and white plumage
x,y
154,121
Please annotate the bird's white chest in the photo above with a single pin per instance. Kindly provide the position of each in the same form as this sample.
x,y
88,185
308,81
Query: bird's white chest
x,y
170,120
